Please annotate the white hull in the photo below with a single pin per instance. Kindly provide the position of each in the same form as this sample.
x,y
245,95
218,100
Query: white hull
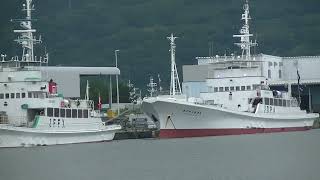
x,y
180,115
26,137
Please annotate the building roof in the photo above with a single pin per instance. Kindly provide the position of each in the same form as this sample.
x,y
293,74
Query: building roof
x,y
83,70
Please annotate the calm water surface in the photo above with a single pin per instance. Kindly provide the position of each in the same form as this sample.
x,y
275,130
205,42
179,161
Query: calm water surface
x,y
284,156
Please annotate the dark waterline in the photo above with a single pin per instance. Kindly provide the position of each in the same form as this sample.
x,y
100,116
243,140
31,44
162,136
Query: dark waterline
x,y
282,156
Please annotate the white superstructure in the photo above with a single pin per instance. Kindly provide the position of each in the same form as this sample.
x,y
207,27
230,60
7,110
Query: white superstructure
x,y
238,100
31,110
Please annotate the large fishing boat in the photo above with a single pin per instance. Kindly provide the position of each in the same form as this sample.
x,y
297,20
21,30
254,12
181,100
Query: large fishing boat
x,y
32,112
238,99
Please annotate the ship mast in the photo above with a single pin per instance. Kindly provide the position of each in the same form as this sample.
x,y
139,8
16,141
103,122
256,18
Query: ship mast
x,y
26,39
175,87
245,42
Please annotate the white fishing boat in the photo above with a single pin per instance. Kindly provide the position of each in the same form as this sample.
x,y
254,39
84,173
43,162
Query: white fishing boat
x,y
238,100
32,112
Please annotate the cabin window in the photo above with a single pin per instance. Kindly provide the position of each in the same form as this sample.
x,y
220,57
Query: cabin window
x,y
280,74
271,101
79,113
68,113
226,88
237,88
35,95
275,64
215,89
267,101
270,64
29,95
62,113
284,103
12,96
243,88
74,113
50,112
56,112
85,113
220,89
7,95
248,88
23,95
269,74
288,103
1,96
18,95
276,102
232,88
280,102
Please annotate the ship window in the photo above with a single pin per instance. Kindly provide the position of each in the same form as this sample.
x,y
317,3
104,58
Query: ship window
x,y
62,113
7,95
74,113
12,96
220,89
237,88
243,88
280,74
68,113
29,95
56,112
50,112
284,103
270,64
1,96
215,89
35,95
226,88
276,102
267,101
23,95
79,113
271,101
269,74
248,88
280,102
18,95
288,103
232,88
85,113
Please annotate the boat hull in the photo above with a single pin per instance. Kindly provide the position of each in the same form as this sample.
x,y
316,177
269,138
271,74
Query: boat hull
x,y
23,137
182,119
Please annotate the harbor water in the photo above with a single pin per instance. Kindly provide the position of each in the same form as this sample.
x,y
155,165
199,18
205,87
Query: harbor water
x,y
282,156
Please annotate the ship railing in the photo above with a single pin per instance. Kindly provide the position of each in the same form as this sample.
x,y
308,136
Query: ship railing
x,y
4,119
80,103
16,121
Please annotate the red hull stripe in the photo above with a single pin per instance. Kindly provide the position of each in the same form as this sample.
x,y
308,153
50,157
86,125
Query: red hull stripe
x,y
181,133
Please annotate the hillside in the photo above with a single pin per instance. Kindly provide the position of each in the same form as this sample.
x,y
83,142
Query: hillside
x,y
82,32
